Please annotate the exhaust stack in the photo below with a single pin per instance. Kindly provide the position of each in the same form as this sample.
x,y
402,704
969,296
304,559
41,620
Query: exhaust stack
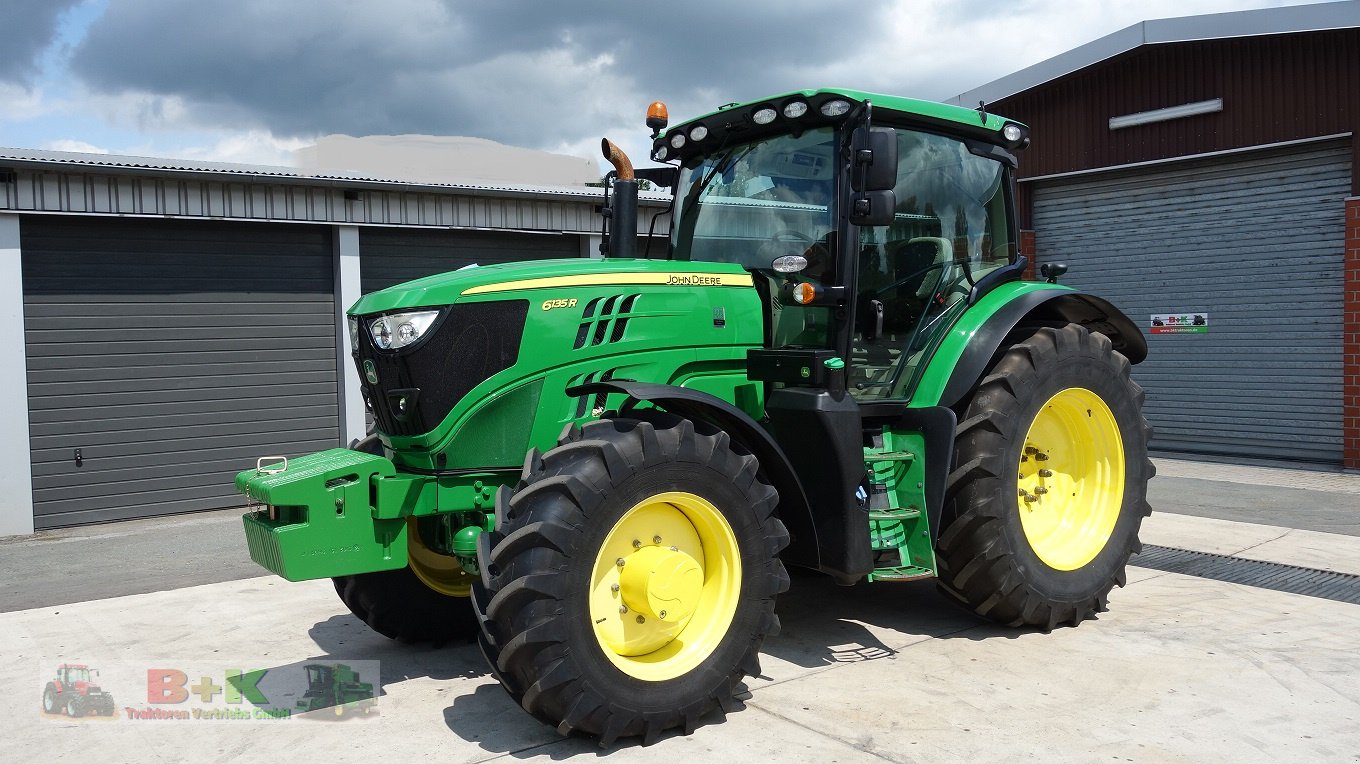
x,y
621,209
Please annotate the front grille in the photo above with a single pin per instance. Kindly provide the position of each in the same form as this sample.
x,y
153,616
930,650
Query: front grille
x,y
417,386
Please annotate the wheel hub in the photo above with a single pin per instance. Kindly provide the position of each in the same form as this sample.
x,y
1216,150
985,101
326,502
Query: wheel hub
x,y
661,582
665,586
1071,479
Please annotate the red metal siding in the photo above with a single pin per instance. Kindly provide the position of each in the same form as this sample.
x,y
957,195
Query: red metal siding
x,y
1274,88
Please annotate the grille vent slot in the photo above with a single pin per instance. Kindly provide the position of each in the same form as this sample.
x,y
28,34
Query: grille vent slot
x,y
586,404
604,320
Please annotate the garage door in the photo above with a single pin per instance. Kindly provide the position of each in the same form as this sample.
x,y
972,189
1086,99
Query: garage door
x,y
388,256
164,356
1254,243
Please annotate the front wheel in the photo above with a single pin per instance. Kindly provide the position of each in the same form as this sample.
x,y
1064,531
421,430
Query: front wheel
x,y
632,577
1049,483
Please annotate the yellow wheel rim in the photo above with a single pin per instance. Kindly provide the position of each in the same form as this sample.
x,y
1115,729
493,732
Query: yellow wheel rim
x,y
1071,479
667,607
440,572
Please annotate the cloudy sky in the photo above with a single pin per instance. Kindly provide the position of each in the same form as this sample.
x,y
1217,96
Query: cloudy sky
x,y
251,80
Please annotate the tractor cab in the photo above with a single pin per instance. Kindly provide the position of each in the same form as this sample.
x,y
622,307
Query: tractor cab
x,y
867,224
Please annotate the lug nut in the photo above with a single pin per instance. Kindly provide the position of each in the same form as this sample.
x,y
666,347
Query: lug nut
x,y
1031,450
662,614
637,544
656,539
1041,457
1045,473
623,609
619,562
1038,489
640,619
614,588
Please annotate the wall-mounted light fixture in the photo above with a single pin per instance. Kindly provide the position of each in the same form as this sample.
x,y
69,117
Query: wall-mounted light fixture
x,y
1169,113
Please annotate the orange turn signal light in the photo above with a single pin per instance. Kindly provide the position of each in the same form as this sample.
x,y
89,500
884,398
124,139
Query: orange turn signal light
x,y
804,293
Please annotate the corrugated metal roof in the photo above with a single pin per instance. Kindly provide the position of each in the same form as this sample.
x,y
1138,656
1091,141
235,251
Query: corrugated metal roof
x,y
274,174
1266,21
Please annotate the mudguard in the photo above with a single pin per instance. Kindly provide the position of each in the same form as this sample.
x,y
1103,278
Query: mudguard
x,y
951,376
794,508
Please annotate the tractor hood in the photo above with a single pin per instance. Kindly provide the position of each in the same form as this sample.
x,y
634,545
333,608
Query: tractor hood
x,y
545,276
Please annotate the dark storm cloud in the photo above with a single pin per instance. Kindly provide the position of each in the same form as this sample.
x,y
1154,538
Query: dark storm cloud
x,y
29,27
515,70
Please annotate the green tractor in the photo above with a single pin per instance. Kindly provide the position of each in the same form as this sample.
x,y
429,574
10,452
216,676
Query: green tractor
x,y
600,468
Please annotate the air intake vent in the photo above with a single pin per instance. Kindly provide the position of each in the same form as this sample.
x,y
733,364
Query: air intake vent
x,y
604,320
590,404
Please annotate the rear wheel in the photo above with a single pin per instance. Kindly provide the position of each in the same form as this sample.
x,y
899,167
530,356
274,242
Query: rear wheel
x,y
1049,483
632,577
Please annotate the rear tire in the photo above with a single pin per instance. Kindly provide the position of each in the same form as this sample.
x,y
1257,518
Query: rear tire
x,y
1049,482
565,644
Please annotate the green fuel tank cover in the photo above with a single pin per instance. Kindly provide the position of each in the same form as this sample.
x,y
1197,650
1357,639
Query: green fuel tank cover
x,y
834,363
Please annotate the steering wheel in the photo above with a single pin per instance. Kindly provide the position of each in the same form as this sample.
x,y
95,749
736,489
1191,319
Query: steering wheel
x,y
786,237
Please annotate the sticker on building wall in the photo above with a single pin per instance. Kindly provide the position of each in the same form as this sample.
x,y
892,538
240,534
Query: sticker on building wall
x,y
1179,323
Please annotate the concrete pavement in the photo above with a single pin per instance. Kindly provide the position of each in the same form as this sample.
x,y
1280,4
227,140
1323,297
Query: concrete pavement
x,y
1180,669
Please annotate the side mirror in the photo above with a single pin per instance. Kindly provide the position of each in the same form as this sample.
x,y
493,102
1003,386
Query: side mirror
x,y
873,159
666,177
1052,271
871,208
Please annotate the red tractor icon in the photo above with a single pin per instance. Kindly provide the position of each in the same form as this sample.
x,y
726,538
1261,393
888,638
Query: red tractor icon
x,y
72,692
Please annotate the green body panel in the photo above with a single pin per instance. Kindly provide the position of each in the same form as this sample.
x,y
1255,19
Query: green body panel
x,y
936,375
881,102
671,337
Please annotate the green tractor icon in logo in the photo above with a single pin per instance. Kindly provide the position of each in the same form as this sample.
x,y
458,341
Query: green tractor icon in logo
x,y
338,688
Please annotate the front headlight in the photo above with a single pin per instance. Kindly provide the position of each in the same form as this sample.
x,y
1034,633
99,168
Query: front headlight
x,y
401,329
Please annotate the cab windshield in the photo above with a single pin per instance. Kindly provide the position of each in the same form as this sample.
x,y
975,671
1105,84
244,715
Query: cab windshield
x,y
753,202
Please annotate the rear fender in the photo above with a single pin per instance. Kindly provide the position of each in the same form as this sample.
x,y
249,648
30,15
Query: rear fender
x,y
971,347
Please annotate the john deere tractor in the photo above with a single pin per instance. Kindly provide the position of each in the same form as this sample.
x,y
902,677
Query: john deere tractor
x,y
600,468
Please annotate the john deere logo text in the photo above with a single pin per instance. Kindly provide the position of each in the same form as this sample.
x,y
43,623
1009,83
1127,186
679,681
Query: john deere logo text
x,y
569,302
694,280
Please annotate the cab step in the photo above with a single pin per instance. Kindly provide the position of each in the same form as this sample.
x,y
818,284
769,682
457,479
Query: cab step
x,y
900,573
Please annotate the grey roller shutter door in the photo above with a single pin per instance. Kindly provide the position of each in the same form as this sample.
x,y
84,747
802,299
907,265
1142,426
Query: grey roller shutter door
x,y
1255,240
172,354
388,256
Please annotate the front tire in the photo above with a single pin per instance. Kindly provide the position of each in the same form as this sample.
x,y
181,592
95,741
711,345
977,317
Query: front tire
x,y
49,700
588,645
427,601
1049,483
